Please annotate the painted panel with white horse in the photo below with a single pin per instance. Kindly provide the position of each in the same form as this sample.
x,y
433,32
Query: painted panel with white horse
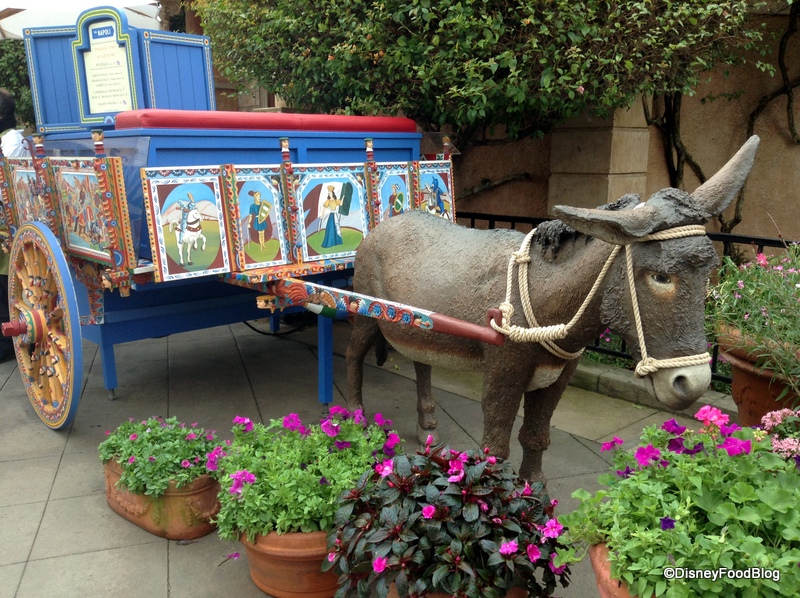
x,y
186,224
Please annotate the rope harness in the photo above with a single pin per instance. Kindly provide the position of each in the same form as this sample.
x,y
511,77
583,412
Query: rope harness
x,y
547,335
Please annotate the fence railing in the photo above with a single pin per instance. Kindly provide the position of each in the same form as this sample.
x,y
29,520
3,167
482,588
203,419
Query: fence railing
x,y
526,224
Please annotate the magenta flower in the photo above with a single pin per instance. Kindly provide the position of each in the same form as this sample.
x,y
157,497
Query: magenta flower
x,y
185,464
728,430
385,468
673,427
292,422
233,555
342,444
331,557
239,479
358,417
428,511
330,428
553,568
625,473
132,459
248,425
108,432
607,446
552,529
533,552
508,548
133,436
191,436
212,458
647,454
392,440
382,421
734,446
379,564
676,446
336,410
526,491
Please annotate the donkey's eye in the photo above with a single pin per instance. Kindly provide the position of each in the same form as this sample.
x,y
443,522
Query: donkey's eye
x,y
660,278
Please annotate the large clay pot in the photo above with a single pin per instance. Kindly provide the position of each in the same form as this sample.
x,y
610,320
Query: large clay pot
x,y
180,514
512,593
607,587
290,565
754,390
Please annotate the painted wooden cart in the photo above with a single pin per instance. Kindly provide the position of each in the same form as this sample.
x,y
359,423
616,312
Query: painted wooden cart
x,y
126,224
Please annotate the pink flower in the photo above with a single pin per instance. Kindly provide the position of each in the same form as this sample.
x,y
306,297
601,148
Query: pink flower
x,y
526,491
645,454
108,432
379,564
552,529
456,477
331,557
337,411
428,512
711,415
330,428
385,468
191,436
292,422
580,89
533,552
248,425
607,446
508,548
132,459
382,421
553,568
762,260
185,464
133,436
239,479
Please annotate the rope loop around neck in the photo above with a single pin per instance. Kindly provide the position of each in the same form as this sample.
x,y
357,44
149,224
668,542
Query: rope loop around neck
x,y
547,335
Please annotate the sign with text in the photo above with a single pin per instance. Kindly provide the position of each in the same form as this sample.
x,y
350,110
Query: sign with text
x,y
108,82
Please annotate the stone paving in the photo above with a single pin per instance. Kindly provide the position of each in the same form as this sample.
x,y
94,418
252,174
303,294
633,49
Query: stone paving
x,y
59,538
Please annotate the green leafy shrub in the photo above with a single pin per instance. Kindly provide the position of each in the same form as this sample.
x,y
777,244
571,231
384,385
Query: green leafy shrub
x,y
286,476
718,500
155,451
441,520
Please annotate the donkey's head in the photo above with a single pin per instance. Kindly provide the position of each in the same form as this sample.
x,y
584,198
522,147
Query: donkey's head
x,y
669,274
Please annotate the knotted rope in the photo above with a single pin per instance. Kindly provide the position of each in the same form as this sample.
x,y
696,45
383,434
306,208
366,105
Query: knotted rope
x,y
547,335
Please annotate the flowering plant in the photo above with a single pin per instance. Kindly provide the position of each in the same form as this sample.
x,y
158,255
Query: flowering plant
x,y
445,521
758,303
286,476
719,501
156,451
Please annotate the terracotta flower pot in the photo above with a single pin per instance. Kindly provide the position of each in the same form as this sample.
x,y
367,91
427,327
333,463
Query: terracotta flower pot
x,y
512,593
607,587
290,565
180,514
754,390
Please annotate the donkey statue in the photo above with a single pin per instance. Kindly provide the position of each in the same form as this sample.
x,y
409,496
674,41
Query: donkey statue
x,y
638,268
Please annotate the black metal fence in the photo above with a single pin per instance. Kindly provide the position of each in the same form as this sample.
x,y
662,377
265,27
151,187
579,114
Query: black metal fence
x,y
526,224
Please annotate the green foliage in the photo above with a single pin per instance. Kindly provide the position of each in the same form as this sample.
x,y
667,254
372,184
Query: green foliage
x,y
761,300
468,65
714,499
155,451
443,521
286,477
14,77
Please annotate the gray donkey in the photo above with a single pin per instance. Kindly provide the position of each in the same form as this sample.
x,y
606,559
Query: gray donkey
x,y
648,263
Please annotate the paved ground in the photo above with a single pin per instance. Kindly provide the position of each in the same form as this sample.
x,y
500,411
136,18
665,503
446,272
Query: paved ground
x,y
59,538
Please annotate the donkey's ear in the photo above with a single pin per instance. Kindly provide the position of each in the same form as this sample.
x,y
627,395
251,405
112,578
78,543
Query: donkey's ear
x,y
716,193
617,227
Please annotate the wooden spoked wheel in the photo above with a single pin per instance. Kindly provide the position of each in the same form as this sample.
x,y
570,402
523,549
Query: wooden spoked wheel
x,y
45,323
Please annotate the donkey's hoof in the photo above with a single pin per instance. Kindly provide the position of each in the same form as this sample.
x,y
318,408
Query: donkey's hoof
x,y
423,433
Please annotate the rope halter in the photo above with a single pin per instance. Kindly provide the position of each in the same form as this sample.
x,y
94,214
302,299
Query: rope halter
x,y
547,335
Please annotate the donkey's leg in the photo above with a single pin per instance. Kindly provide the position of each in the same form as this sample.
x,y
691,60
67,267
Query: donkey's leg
x,y
363,337
534,436
426,406
502,393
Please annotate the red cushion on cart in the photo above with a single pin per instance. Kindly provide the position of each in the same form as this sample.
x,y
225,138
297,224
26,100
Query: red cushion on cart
x,y
158,118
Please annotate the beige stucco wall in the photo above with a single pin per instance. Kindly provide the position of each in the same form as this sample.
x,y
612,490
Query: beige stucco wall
x,y
711,130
